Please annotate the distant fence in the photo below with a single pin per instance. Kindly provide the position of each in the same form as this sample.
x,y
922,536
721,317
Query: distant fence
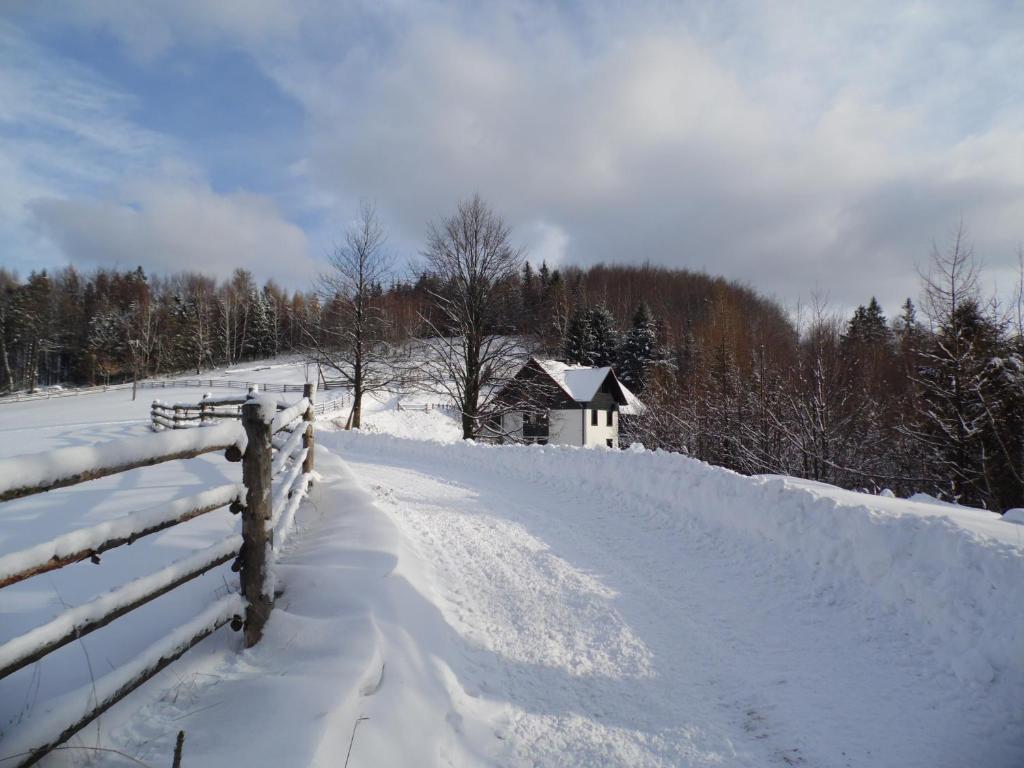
x,y
229,384
426,407
48,394
275,446
211,408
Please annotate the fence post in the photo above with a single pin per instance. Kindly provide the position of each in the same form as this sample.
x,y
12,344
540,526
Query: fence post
x,y
308,416
255,539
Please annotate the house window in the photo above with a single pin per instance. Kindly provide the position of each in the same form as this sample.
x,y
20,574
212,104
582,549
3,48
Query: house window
x,y
608,419
526,419
609,442
593,418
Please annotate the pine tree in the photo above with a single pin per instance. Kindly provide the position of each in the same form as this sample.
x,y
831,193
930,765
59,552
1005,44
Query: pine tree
x,y
605,336
956,381
107,343
261,336
578,344
868,326
640,350
32,316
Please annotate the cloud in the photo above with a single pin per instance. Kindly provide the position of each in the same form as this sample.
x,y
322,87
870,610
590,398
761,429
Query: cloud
x,y
81,181
657,144
171,226
799,147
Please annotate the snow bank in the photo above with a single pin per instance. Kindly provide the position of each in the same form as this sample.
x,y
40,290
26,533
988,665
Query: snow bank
x,y
957,573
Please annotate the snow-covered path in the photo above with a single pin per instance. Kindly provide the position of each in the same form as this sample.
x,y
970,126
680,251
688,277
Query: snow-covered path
x,y
591,636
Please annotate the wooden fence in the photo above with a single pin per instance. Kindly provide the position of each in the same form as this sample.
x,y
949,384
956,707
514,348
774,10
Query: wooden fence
x,y
275,446
211,408
50,393
426,407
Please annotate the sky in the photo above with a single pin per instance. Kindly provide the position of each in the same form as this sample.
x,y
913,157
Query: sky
x,y
805,148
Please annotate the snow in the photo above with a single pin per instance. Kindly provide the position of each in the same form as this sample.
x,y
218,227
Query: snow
x,y
580,382
283,523
284,486
267,405
633,406
646,609
93,537
67,709
122,596
541,606
290,414
31,470
1014,516
286,450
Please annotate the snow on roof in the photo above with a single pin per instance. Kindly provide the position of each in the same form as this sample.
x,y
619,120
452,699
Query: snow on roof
x,y
634,406
580,382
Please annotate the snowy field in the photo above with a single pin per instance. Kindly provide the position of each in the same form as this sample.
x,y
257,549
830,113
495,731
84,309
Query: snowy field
x,y
454,604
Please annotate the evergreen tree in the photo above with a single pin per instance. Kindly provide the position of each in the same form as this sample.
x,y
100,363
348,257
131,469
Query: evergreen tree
x,y
867,327
578,345
956,382
640,350
605,348
32,316
107,343
261,338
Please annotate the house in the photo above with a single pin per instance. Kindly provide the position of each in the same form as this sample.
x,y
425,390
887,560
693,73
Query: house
x,y
551,402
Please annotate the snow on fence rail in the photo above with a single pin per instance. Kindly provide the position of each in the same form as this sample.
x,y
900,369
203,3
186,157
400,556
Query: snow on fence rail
x,y
210,408
426,407
50,393
271,490
230,384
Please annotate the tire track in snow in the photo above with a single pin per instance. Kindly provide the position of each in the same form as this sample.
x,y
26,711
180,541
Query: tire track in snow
x,y
616,639
549,638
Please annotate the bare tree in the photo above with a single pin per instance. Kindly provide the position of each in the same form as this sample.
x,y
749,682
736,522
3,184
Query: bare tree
x,y
471,347
352,345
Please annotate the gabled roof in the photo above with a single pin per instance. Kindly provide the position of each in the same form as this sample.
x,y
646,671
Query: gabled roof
x,y
634,406
580,382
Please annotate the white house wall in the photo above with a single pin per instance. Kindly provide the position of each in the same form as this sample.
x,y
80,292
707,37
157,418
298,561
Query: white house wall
x,y
565,427
601,434
569,427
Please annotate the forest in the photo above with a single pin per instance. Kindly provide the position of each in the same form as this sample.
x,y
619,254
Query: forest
x,y
931,401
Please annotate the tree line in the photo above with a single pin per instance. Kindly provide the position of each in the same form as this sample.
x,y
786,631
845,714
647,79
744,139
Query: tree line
x,y
930,401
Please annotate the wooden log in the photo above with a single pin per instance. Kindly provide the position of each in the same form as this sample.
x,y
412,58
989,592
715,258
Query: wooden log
x,y
18,492
169,653
256,465
85,627
308,416
82,554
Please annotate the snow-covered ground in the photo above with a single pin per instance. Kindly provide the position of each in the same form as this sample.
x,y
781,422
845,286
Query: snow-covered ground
x,y
454,604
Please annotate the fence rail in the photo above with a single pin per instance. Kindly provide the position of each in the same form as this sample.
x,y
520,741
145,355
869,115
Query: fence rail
x,y
426,407
210,408
50,393
274,443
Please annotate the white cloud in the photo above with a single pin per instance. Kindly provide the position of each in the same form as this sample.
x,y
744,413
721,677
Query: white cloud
x,y
81,182
176,225
659,145
796,146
